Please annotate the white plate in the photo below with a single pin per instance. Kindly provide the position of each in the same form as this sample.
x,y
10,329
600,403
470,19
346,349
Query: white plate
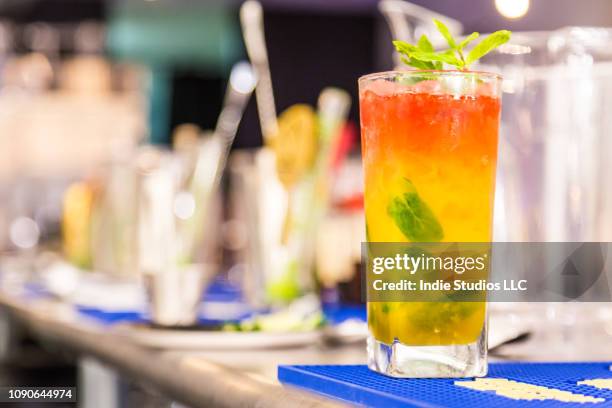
x,y
216,340
348,332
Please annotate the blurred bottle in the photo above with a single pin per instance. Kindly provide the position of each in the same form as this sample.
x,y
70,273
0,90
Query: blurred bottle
x,y
72,114
30,213
87,72
280,194
114,216
338,250
76,223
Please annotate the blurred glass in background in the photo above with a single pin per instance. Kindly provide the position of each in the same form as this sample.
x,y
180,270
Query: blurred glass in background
x,y
61,118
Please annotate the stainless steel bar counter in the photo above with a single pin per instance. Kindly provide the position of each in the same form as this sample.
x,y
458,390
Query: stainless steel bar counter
x,y
186,377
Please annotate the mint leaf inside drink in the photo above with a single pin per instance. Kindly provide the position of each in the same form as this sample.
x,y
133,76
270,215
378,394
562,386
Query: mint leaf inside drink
x,y
413,216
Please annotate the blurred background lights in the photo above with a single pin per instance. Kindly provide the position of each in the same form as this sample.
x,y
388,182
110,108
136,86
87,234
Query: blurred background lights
x,y
512,8
184,205
242,78
24,233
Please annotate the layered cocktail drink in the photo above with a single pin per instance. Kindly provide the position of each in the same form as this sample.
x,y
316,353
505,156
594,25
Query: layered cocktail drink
x,y
429,144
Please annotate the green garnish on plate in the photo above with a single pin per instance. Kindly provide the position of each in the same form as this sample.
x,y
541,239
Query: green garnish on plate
x,y
424,56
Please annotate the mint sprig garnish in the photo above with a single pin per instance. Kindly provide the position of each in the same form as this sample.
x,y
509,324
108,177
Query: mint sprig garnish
x,y
424,56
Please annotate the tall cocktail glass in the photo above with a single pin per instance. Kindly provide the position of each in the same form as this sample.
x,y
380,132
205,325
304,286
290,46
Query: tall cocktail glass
x,y
431,137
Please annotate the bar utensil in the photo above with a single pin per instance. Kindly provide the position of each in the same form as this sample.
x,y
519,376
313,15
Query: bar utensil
x,y
177,212
251,20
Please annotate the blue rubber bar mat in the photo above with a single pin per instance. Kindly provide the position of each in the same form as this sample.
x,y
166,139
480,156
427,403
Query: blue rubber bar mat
x,y
359,385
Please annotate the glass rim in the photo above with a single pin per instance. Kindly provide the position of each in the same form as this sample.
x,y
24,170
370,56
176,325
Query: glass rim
x,y
441,73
